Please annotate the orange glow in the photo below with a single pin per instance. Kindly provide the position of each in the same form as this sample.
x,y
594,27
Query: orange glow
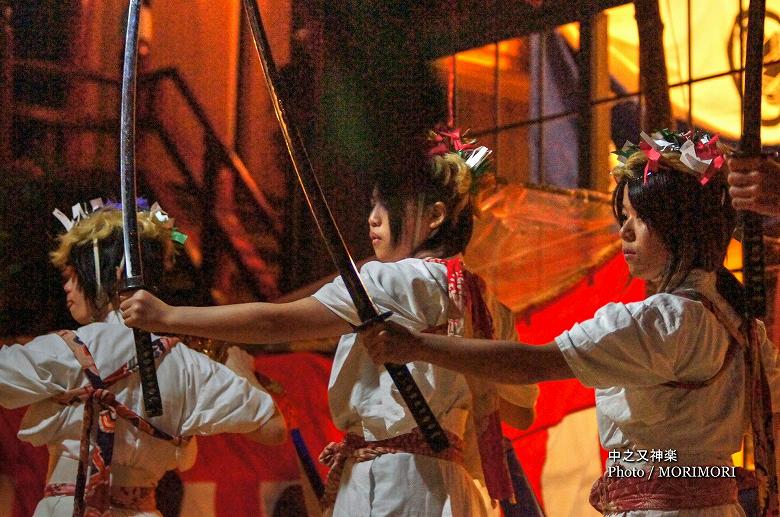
x,y
508,52
734,258
571,33
716,102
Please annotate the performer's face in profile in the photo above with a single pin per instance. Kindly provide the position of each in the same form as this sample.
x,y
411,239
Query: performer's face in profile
x,y
78,305
380,233
643,249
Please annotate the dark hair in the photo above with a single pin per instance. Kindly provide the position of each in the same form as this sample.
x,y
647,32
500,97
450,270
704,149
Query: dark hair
x,y
694,221
441,180
110,250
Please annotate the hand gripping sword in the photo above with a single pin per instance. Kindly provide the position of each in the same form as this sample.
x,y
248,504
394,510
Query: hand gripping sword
x,y
750,146
132,243
765,459
334,242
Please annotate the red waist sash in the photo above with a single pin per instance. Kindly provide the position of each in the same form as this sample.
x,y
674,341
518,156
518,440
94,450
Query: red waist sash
x,y
357,449
139,498
623,494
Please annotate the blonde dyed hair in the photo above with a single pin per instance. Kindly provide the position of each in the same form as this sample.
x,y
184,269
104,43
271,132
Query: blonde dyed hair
x,y
104,223
635,166
453,177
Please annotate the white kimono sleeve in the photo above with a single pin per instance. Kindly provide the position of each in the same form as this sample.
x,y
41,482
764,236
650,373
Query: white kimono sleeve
x,y
42,368
644,344
219,401
408,288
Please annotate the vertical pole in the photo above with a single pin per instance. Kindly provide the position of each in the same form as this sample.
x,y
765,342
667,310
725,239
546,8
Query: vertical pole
x,y
208,228
601,113
657,111
584,112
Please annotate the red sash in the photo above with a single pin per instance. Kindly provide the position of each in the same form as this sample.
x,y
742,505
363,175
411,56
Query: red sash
x,y
356,448
465,293
625,494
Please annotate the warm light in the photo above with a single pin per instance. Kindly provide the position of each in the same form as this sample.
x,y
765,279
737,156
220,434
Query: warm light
x,y
508,53
716,102
571,33
733,260
738,458
613,162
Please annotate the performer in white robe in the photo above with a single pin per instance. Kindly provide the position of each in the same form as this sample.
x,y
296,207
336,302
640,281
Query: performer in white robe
x,y
671,371
363,400
200,396
629,352
418,228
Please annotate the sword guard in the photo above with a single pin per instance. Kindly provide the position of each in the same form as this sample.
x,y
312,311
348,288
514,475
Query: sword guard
x,y
379,318
132,283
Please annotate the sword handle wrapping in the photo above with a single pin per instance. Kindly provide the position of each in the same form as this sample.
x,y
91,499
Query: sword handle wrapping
x,y
144,354
146,368
752,225
426,420
410,392
753,264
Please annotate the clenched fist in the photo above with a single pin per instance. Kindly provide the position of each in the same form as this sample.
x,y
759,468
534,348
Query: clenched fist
x,y
145,311
241,362
755,184
388,342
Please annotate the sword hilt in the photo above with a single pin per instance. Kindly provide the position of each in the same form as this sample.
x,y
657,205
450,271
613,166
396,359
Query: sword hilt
x,y
410,392
753,249
145,355
421,411
753,264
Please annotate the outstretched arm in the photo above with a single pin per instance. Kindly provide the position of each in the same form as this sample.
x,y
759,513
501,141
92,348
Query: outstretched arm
x,y
257,322
506,362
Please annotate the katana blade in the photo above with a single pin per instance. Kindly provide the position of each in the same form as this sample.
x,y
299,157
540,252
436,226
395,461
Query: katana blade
x,y
132,243
750,146
334,242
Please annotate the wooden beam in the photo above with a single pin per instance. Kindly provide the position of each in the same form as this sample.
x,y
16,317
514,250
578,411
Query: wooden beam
x,y
441,30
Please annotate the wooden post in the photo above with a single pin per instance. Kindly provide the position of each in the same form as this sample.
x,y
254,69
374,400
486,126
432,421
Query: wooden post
x,y
593,120
600,128
656,112
584,112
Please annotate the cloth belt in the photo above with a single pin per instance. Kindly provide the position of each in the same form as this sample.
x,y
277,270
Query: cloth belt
x,y
624,494
138,498
356,448
92,491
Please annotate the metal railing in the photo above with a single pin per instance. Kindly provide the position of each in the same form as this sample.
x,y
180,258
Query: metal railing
x,y
215,153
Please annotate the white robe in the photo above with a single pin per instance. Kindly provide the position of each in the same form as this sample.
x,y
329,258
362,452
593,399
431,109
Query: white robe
x,y
628,351
363,400
200,397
